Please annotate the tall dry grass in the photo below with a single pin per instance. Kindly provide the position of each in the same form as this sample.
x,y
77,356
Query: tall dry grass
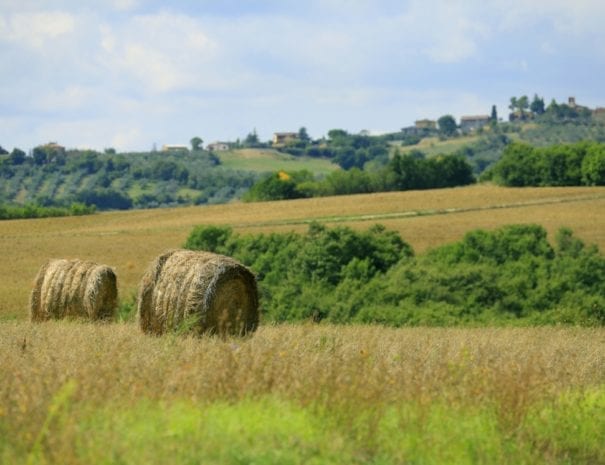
x,y
350,367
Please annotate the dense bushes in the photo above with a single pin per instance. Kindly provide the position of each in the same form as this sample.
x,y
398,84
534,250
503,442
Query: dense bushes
x,y
509,275
12,212
559,165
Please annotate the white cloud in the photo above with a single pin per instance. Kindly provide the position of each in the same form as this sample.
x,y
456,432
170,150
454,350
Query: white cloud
x,y
128,72
578,16
164,52
125,5
72,97
36,29
124,139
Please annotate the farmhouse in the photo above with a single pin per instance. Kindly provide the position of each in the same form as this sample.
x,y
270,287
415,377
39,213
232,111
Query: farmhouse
x,y
218,146
425,124
471,123
284,137
175,148
421,126
53,147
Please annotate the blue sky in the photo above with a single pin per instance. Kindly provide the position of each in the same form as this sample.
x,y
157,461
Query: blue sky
x,y
132,73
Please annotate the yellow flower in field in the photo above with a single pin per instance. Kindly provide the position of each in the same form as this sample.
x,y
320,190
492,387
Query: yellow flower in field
x,y
283,176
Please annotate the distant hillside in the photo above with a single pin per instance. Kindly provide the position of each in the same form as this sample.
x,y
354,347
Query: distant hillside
x,y
54,177
485,147
141,180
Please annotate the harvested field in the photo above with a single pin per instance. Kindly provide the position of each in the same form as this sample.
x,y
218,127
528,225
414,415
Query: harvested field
x,y
130,240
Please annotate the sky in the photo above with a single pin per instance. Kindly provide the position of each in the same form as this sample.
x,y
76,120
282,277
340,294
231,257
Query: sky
x,y
131,74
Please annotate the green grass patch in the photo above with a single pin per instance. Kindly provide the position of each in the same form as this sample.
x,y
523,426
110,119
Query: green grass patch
x,y
138,189
187,192
275,431
434,146
271,161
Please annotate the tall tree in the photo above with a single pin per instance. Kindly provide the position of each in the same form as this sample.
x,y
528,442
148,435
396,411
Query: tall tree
x,y
447,125
251,139
523,104
494,115
302,135
196,143
40,156
17,156
537,105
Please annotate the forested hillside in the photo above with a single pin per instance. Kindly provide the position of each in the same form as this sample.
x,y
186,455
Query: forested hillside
x,y
120,181
532,149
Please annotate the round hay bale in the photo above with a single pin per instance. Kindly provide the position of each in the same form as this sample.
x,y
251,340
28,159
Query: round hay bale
x,y
73,288
201,292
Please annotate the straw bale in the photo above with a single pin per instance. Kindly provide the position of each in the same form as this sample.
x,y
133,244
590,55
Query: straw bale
x,y
201,292
74,289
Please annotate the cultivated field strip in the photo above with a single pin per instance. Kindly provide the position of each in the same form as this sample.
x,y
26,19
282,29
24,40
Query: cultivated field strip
x,y
416,213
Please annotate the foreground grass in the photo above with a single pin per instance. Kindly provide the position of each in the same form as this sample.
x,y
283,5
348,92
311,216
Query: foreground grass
x,y
80,393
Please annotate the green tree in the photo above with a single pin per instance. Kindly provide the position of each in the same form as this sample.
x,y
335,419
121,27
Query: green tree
x,y
593,166
517,166
17,156
277,186
494,115
251,139
196,143
452,170
523,103
447,125
40,156
537,105
209,238
303,136
408,172
337,134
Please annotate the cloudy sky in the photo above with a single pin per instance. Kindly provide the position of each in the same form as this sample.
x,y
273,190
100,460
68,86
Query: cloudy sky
x,y
132,73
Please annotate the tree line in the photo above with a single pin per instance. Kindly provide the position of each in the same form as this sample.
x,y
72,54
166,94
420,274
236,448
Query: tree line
x,y
13,212
578,164
408,171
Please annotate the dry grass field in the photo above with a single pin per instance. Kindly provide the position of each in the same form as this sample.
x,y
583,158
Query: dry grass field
x,y
78,393
84,393
129,240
